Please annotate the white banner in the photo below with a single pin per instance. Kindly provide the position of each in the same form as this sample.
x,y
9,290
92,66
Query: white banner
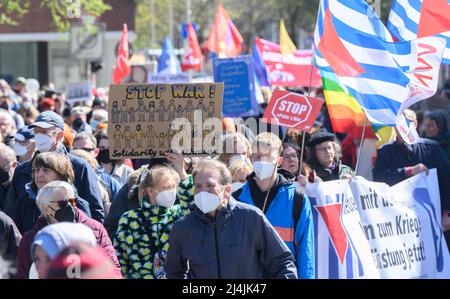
x,y
370,230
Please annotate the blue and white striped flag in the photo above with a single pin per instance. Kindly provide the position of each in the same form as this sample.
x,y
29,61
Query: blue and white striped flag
x,y
384,77
404,22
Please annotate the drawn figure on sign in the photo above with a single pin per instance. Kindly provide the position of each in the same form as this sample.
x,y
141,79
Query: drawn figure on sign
x,y
180,111
172,110
127,135
124,111
206,130
132,115
117,137
151,134
189,110
170,133
115,112
196,132
151,112
141,110
201,107
162,139
211,109
139,135
161,110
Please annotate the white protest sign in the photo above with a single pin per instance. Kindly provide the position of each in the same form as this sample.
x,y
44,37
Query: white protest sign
x,y
168,78
79,92
342,250
400,225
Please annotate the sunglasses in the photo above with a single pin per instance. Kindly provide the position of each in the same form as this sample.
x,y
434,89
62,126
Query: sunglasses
x,y
86,149
64,202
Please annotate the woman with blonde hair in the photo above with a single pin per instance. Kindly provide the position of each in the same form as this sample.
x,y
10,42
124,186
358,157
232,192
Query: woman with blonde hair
x,y
142,238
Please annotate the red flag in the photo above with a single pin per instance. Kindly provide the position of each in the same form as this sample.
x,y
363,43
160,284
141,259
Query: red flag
x,y
335,52
122,68
434,18
193,59
224,37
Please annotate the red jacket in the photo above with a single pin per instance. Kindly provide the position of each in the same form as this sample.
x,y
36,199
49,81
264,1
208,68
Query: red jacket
x,y
24,260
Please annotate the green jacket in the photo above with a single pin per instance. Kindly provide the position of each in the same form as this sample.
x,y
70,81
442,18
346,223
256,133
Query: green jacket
x,y
337,173
132,243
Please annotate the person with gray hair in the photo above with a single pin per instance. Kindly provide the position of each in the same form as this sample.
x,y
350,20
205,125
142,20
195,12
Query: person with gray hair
x,y
48,132
398,161
8,164
7,127
57,203
199,244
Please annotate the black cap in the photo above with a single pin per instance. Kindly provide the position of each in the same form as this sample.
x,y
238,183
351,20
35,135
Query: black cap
x,y
320,137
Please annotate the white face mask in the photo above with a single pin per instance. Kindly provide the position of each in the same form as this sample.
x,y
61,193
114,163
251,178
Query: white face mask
x,y
20,150
166,199
263,170
43,142
235,158
206,202
236,186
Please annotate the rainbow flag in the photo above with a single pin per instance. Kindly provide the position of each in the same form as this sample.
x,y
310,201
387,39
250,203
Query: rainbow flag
x,y
345,112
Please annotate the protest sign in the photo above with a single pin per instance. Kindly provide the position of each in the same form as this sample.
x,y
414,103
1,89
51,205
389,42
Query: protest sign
x,y
292,110
147,120
168,78
237,74
368,230
288,70
79,92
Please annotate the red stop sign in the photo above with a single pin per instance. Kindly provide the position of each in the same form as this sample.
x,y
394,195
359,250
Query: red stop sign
x,y
292,110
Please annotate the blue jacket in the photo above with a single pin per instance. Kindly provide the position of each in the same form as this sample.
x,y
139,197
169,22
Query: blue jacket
x,y
392,158
86,184
27,212
239,244
279,212
111,184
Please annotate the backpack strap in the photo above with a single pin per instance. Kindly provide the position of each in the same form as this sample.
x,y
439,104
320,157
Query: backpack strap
x,y
297,210
236,194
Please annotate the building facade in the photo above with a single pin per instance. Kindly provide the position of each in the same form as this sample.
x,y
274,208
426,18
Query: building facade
x,y
34,49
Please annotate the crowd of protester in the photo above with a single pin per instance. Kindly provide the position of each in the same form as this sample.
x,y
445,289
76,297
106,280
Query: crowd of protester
x,y
242,214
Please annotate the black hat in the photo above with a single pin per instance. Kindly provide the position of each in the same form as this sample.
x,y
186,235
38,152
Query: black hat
x,y
98,102
320,137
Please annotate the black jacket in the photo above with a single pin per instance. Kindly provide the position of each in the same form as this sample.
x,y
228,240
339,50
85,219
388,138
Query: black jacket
x,y
120,204
9,238
240,244
392,158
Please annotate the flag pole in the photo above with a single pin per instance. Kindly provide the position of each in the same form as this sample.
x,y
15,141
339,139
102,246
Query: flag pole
x,y
304,133
282,141
361,143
